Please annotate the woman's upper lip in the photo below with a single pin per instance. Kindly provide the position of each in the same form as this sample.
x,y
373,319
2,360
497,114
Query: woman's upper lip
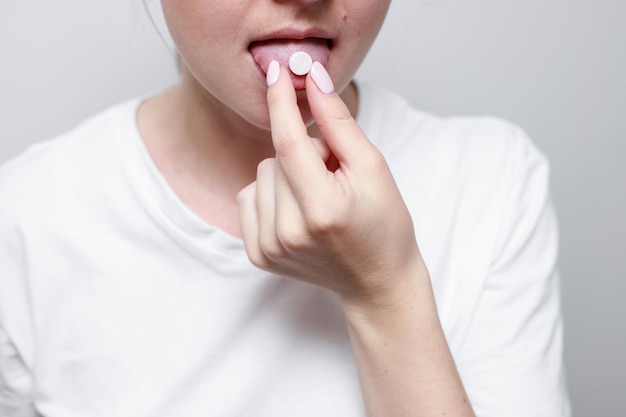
x,y
293,33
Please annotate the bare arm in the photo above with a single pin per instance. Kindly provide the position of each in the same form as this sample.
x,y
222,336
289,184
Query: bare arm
x,y
347,229
404,362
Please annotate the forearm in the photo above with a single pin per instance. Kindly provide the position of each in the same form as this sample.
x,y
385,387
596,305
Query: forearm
x,y
403,359
348,230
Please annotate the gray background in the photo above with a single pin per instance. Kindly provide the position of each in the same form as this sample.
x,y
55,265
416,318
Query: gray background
x,y
555,67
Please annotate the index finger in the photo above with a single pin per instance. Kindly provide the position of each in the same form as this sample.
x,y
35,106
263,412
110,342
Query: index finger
x,y
299,158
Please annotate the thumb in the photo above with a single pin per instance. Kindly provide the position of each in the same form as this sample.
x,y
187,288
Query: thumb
x,y
343,135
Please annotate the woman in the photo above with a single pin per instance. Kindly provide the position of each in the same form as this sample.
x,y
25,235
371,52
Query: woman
x,y
158,260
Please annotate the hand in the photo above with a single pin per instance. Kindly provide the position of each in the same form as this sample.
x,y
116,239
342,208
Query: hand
x,y
332,215
345,227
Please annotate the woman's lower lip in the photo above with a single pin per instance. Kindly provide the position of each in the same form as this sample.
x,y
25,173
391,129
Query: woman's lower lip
x,y
299,81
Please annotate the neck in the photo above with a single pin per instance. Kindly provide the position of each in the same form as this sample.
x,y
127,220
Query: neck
x,y
205,151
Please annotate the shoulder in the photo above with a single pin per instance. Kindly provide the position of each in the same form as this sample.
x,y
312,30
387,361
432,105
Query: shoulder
x,y
390,118
459,148
82,139
46,171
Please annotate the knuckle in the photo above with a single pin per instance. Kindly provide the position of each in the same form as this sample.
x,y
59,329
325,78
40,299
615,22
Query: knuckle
x,y
343,116
338,111
336,119
332,217
284,143
246,195
265,166
293,239
257,258
322,223
271,248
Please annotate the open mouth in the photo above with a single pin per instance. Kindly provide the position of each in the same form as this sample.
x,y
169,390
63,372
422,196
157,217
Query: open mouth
x,y
280,49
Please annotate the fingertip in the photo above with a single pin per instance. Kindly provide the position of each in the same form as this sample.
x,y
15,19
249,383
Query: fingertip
x,y
279,85
321,78
273,73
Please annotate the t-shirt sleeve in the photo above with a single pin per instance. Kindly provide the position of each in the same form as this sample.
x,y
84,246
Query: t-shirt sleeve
x,y
511,360
15,381
15,376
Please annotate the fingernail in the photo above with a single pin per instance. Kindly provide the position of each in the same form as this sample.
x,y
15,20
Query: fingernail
x,y
273,72
321,78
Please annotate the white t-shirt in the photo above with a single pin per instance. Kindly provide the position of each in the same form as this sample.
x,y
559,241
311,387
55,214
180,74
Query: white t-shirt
x,y
117,300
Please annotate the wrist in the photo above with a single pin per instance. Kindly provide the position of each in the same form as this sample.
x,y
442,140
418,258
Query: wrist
x,y
407,295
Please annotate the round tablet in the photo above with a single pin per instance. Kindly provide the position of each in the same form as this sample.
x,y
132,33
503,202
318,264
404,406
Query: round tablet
x,y
300,63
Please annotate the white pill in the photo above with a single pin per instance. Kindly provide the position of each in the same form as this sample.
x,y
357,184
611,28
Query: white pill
x,y
300,63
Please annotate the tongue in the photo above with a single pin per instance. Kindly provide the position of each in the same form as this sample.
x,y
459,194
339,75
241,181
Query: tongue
x,y
281,49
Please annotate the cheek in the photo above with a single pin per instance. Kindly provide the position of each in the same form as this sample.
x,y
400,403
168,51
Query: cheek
x,y
205,33
361,26
200,24
370,18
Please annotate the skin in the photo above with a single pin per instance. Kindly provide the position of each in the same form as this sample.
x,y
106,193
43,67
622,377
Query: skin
x,y
247,158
